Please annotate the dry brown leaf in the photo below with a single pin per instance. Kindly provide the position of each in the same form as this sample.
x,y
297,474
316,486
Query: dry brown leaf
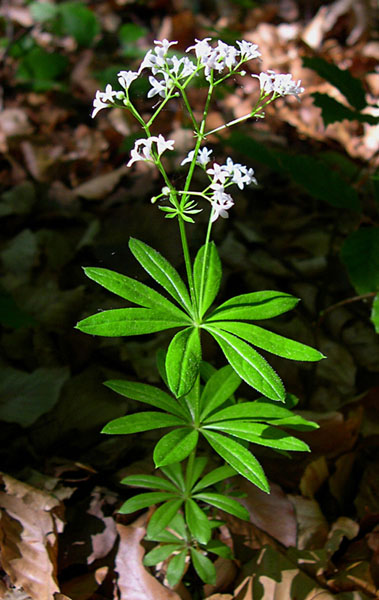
x,y
226,571
28,537
316,472
100,187
312,525
103,542
134,581
273,513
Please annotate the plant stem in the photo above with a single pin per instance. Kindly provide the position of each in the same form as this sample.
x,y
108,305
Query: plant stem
x,y
187,260
205,258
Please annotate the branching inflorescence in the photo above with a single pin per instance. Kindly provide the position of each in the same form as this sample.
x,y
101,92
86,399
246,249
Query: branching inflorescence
x,y
200,403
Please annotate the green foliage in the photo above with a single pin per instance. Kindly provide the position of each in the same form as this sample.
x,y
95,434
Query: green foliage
x,y
349,86
41,69
360,255
184,352
68,18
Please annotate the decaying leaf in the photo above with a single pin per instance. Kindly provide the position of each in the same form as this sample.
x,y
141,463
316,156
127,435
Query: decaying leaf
x,y
134,581
100,187
30,522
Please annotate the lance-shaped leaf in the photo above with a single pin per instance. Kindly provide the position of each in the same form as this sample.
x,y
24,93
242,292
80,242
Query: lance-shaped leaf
x,y
197,522
149,394
258,433
198,467
175,473
224,503
272,342
175,446
221,385
183,361
163,516
203,567
143,501
254,306
129,321
149,481
249,365
263,411
176,568
162,271
214,476
132,290
160,554
207,267
238,457
220,549
144,421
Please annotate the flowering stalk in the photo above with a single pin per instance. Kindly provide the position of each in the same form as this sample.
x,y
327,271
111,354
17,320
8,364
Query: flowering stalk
x,y
197,406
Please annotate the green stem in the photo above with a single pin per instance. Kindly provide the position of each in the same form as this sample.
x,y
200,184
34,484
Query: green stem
x,y
187,260
205,258
252,114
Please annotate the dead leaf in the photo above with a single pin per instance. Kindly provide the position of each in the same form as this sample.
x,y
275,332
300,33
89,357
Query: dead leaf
x,y
100,187
272,513
226,571
134,581
103,542
312,526
316,472
30,522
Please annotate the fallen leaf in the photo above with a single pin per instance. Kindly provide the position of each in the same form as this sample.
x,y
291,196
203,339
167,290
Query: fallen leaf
x,y
134,581
316,472
28,538
103,542
100,187
272,513
312,526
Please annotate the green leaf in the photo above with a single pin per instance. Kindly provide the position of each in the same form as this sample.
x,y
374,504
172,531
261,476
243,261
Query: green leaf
x,y
246,144
254,306
332,111
375,313
238,457
258,409
175,473
249,365
212,276
221,385
224,503
149,481
42,11
360,255
163,516
128,321
162,271
272,342
197,522
175,446
149,394
183,361
220,549
264,435
41,69
24,397
159,554
351,87
175,568
143,501
203,567
133,290
79,21
214,476
198,467
320,181
161,365
296,422
144,421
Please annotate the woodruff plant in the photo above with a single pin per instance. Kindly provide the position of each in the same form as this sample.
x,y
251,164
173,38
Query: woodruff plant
x,y
200,400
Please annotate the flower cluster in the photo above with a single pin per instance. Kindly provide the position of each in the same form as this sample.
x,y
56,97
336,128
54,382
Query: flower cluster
x,y
169,76
143,149
279,83
223,56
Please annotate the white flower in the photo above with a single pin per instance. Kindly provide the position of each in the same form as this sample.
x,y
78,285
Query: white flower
x,y
143,148
202,159
125,78
240,175
202,48
227,54
280,83
103,100
221,203
165,45
248,50
158,87
163,144
182,67
220,175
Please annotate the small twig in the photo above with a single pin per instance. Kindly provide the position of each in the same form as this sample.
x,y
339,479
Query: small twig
x,y
342,303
